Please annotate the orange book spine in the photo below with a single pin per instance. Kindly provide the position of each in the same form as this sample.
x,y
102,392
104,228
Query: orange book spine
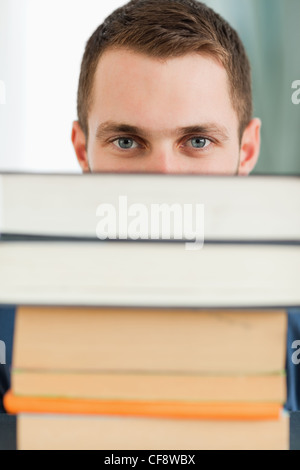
x,y
177,410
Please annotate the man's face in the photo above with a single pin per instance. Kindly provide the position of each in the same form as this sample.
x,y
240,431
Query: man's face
x,y
172,116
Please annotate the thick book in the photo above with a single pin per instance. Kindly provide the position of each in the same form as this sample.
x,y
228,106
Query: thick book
x,y
254,208
79,432
155,274
61,432
153,341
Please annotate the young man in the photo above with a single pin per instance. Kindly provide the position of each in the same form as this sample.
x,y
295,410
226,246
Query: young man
x,y
165,87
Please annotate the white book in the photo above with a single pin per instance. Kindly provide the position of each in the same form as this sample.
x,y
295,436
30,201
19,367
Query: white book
x,y
243,209
155,274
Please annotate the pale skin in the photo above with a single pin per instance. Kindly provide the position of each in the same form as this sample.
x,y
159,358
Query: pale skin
x,y
171,116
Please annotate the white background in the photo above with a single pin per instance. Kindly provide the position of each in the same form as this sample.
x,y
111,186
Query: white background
x,y
42,43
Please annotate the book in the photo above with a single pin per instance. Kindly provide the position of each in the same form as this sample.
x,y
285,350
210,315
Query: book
x,y
149,274
150,386
254,208
173,341
74,432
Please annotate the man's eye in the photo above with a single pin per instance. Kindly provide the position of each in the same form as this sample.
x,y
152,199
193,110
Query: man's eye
x,y
198,142
125,143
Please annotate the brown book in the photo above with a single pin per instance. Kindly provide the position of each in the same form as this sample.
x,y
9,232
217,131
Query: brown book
x,y
151,387
165,341
73,432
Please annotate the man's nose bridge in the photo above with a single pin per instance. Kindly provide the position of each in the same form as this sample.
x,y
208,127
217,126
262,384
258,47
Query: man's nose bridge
x,y
163,158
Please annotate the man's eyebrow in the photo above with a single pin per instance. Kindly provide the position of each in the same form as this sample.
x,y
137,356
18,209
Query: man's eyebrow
x,y
217,130
111,127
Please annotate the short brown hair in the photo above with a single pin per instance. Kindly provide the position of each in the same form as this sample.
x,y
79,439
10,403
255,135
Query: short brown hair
x,y
164,29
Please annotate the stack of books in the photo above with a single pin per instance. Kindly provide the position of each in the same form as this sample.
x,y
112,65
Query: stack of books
x,y
151,367
170,342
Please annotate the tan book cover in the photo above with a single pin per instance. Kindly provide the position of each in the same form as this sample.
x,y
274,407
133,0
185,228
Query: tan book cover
x,y
128,386
59,432
215,342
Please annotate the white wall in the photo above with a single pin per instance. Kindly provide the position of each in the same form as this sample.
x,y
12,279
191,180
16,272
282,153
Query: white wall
x,y
12,74
41,47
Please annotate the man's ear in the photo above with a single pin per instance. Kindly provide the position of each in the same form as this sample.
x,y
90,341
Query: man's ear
x,y
250,147
79,144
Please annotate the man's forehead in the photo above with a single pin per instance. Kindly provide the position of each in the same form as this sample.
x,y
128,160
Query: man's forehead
x,y
160,97
125,75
